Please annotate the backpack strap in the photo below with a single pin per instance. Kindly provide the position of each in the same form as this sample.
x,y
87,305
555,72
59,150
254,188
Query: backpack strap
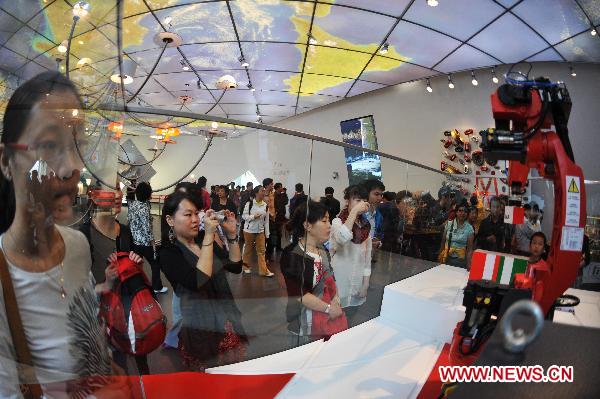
x,y
30,387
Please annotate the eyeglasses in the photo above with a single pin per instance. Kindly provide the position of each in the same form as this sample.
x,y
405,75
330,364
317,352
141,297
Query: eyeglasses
x,y
53,150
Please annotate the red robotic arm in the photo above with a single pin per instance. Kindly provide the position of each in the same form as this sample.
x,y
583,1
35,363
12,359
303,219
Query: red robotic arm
x,y
528,110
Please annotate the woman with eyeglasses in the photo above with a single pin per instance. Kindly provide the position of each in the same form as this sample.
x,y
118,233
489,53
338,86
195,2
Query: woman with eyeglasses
x,y
457,239
49,308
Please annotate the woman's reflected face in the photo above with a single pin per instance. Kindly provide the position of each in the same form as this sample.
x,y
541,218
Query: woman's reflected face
x,y
47,146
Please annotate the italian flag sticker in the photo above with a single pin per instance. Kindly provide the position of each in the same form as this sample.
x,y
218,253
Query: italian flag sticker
x,y
501,268
514,215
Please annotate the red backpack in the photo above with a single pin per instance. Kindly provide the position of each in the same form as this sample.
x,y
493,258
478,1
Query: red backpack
x,y
134,320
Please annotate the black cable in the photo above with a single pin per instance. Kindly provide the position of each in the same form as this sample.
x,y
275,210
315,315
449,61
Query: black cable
x,y
75,19
167,42
217,103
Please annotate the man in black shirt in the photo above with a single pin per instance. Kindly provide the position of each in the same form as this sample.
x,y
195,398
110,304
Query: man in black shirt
x,y
332,204
491,230
298,198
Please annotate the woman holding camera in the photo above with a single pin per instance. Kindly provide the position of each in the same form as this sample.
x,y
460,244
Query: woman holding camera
x,y
195,264
351,248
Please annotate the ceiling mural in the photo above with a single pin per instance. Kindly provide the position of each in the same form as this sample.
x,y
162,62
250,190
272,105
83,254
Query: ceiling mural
x,y
286,57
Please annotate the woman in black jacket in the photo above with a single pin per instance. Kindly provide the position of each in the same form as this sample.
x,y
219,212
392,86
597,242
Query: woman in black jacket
x,y
195,264
306,267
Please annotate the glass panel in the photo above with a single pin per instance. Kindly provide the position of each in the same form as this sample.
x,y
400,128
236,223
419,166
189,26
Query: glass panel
x,y
518,40
349,28
463,58
581,48
446,16
545,17
422,46
390,7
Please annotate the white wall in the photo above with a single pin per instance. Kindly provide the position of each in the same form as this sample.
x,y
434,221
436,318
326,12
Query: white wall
x,y
409,121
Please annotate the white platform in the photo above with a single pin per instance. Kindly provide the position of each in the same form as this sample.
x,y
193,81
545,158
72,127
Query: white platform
x,y
587,313
390,356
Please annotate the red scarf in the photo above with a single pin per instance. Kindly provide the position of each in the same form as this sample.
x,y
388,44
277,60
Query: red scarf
x,y
360,229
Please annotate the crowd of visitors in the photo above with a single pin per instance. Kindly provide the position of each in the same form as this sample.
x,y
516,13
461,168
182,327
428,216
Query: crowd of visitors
x,y
325,250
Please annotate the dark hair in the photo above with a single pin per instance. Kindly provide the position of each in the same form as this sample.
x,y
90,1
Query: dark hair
x,y
267,181
249,184
143,191
255,190
186,186
329,190
373,184
299,187
316,212
225,188
202,182
539,234
170,206
277,186
402,194
527,207
389,195
463,204
16,118
356,191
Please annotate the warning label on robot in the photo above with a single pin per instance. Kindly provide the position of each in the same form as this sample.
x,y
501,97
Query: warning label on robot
x,y
573,201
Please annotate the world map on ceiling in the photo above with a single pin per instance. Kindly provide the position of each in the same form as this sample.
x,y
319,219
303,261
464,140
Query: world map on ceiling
x,y
287,57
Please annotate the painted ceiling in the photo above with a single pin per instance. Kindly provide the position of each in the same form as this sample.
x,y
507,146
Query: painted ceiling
x,y
300,54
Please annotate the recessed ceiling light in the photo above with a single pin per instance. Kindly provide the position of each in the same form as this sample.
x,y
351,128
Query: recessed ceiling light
x,y
81,42
384,48
311,39
593,32
62,47
243,62
81,9
432,3
573,73
184,65
429,89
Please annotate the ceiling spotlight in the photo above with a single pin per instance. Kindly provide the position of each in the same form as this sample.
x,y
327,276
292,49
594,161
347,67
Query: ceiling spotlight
x,y
593,32
432,3
243,61
168,20
81,9
184,65
450,83
311,39
251,87
128,71
384,48
573,73
62,47
494,77
214,125
474,80
429,89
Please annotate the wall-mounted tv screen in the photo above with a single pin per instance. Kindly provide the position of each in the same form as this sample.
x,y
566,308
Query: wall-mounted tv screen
x,y
361,165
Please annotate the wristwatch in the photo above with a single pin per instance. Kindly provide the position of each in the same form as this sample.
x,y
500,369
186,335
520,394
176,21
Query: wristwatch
x,y
327,308
232,240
